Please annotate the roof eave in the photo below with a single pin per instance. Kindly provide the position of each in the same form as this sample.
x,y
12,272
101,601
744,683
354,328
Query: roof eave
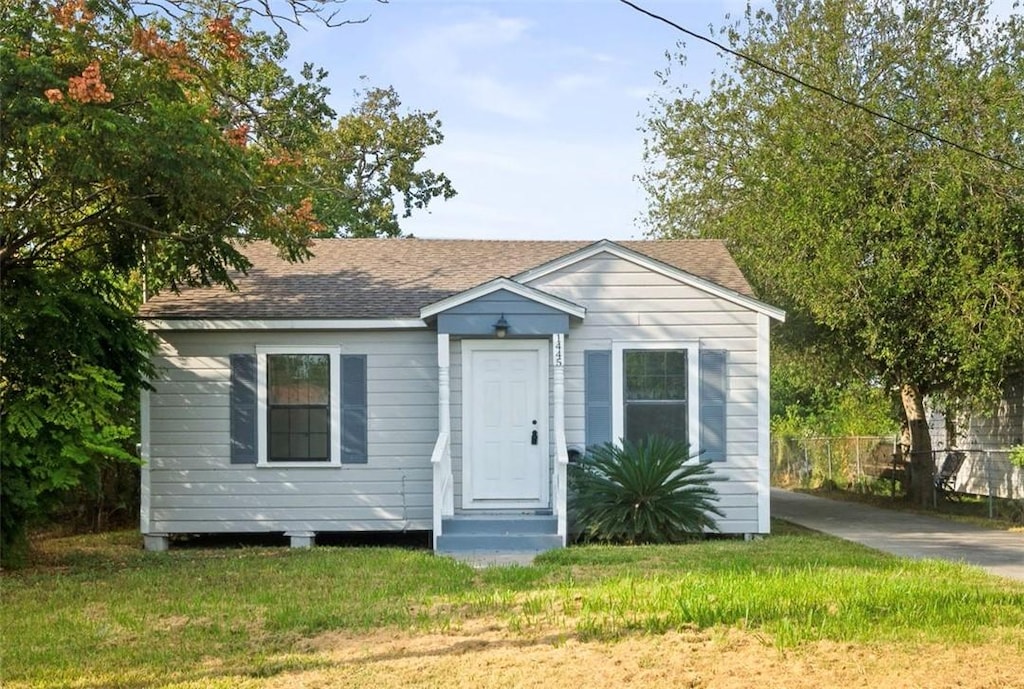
x,y
207,324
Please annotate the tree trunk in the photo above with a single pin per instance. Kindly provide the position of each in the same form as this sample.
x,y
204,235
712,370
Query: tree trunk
x,y
904,440
922,467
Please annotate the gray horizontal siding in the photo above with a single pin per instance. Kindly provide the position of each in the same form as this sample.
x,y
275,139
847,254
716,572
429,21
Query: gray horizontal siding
x,y
237,489
221,502
170,415
273,480
415,520
338,516
194,487
211,456
626,302
1002,426
176,426
160,398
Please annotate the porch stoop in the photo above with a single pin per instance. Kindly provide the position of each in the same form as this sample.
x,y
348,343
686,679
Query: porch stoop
x,y
504,533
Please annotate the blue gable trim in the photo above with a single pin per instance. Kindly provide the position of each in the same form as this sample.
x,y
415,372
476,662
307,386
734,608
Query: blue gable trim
x,y
525,316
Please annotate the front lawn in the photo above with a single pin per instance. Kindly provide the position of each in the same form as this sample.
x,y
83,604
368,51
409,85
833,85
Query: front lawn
x,y
96,611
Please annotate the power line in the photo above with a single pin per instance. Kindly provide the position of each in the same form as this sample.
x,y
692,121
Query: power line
x,y
824,92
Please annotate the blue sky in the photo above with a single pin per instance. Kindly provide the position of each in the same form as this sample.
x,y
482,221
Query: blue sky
x,y
540,102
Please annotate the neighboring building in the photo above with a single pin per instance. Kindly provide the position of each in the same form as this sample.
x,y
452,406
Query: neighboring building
x,y
987,438
408,384
1003,426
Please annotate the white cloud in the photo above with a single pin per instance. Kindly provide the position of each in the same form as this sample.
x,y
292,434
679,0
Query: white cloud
x,y
538,188
486,29
567,83
594,56
639,92
461,60
503,65
490,95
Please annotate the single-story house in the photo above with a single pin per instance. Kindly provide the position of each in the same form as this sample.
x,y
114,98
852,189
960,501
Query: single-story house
x,y
441,385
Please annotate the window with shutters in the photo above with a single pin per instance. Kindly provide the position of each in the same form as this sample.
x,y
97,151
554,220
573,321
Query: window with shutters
x,y
299,406
655,391
655,394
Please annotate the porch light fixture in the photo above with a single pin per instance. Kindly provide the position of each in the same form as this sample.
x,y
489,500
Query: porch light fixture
x,y
501,327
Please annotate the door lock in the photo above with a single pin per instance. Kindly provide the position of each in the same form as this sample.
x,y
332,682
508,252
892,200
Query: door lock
x,y
533,437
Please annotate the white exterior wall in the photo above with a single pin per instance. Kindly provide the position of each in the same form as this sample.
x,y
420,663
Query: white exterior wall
x,y
628,303
1003,426
987,436
194,488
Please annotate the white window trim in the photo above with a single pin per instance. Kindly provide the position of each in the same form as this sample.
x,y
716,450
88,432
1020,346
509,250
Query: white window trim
x,y
692,348
334,352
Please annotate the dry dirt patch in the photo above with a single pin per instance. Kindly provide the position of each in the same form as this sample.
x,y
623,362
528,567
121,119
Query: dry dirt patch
x,y
486,655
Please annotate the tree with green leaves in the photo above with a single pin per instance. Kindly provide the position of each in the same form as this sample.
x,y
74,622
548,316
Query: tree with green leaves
x,y
901,254
143,144
368,159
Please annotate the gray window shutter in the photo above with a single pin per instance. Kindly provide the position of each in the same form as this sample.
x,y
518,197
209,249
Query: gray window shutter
x,y
243,409
353,409
712,404
597,391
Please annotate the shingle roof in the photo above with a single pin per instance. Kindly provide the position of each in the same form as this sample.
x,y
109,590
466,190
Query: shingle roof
x,y
394,278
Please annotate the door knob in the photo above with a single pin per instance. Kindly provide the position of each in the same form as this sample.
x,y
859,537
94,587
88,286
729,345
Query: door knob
x,y
533,437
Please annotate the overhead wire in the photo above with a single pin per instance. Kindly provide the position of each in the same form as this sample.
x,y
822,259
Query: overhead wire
x,y
823,91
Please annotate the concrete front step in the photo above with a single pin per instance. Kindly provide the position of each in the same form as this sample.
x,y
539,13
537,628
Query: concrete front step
x,y
481,559
499,534
500,543
500,524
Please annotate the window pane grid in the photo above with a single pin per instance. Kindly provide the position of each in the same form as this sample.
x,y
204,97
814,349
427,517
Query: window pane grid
x,y
667,419
655,391
655,375
298,407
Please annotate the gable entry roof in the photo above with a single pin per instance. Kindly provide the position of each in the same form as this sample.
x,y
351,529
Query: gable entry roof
x,y
394,279
503,284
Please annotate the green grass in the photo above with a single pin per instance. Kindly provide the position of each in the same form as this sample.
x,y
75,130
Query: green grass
x,y
99,612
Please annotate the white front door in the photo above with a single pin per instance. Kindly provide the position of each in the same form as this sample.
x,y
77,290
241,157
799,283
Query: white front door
x,y
505,424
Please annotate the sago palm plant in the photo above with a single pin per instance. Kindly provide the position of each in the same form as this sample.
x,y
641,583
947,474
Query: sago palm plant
x,y
642,492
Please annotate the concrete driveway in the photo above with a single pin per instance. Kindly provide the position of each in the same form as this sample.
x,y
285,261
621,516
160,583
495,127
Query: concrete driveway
x,y
905,534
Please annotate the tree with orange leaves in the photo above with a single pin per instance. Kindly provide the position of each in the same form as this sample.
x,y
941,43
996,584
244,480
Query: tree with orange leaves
x,y
143,143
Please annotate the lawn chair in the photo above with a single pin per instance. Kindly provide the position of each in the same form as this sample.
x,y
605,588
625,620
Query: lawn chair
x,y
945,480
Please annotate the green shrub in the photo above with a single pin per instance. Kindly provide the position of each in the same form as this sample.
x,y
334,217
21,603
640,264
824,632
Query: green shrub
x,y
642,493
1011,510
871,485
1017,455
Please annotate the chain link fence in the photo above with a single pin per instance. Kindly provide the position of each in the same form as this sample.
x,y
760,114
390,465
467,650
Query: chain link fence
x,y
856,462
874,464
